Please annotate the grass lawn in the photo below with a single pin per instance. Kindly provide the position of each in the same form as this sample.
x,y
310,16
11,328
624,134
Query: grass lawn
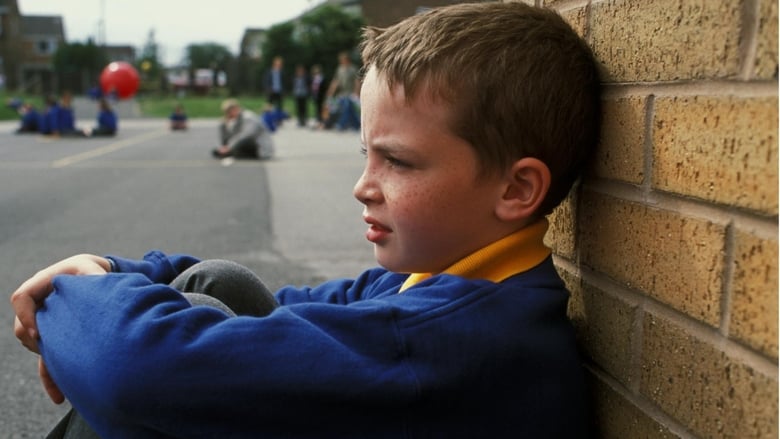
x,y
7,113
197,106
159,106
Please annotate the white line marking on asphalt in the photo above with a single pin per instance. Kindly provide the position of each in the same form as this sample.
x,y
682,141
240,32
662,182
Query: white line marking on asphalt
x,y
111,147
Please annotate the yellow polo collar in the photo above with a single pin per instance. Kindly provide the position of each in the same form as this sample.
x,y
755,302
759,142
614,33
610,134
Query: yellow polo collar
x,y
506,257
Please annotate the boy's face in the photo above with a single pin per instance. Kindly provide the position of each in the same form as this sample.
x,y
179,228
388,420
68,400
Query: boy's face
x,y
233,112
424,203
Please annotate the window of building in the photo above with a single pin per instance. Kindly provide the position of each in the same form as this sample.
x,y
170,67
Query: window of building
x,y
46,47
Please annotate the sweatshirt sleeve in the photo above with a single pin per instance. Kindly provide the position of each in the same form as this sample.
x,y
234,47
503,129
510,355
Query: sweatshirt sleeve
x,y
341,291
134,356
250,128
155,265
107,120
54,119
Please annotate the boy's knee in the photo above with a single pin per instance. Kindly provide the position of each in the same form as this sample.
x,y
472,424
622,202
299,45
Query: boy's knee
x,y
198,299
231,283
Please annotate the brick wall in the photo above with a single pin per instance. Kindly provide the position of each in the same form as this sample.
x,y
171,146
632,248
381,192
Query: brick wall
x,y
670,245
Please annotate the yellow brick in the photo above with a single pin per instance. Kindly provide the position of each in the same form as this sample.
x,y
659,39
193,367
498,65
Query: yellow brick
x,y
676,259
619,418
604,326
766,50
577,19
721,149
575,310
620,154
546,3
714,395
667,40
754,298
561,234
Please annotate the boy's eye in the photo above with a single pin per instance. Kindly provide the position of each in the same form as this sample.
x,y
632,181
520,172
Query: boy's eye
x,y
396,163
390,159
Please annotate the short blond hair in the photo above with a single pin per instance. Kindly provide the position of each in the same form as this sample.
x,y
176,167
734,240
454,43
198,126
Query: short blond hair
x,y
227,104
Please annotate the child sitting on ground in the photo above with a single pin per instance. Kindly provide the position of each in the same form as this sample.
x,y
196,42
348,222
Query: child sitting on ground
x,y
29,119
178,118
476,121
107,122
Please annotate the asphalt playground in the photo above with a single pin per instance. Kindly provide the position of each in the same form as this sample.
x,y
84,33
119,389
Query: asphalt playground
x,y
291,219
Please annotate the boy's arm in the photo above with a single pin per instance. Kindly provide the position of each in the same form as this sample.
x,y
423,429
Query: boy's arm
x,y
30,295
337,291
250,127
54,121
107,120
334,84
145,356
155,265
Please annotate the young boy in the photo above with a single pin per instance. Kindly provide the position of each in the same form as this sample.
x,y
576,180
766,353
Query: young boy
x,y
242,134
477,119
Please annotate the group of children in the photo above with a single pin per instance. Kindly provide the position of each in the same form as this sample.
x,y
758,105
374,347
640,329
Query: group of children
x,y
271,117
57,119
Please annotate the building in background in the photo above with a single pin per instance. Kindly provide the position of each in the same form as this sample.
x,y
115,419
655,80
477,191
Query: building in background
x,y
248,64
27,47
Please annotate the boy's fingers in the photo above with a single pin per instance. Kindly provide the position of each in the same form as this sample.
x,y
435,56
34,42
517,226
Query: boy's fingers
x,y
24,324
31,294
27,336
25,302
54,392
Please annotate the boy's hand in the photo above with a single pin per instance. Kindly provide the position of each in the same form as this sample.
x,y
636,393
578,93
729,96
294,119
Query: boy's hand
x,y
30,296
51,388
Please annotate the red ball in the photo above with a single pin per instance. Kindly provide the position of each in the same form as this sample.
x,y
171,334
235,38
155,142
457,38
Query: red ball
x,y
121,78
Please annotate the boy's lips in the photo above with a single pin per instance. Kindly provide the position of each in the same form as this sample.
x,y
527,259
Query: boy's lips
x,y
377,231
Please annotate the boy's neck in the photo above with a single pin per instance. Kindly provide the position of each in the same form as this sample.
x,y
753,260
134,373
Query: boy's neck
x,y
499,260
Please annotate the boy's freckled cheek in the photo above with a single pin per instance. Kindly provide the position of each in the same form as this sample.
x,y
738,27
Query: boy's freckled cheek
x,y
402,196
420,198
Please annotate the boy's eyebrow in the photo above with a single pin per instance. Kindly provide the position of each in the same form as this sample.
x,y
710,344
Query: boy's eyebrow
x,y
385,147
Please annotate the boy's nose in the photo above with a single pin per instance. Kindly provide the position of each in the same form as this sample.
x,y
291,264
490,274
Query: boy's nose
x,y
364,190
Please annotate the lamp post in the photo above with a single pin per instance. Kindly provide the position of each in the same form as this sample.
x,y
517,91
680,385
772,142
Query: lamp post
x,y
102,24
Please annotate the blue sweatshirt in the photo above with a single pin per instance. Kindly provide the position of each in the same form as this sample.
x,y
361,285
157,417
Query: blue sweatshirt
x,y
107,121
448,357
49,122
67,119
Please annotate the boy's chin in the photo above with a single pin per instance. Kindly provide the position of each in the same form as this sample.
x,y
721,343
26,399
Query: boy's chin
x,y
387,262
394,265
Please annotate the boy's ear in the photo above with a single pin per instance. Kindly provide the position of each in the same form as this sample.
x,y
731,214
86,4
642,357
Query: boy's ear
x,y
526,186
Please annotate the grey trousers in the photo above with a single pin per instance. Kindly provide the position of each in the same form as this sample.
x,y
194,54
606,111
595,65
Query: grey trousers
x,y
221,284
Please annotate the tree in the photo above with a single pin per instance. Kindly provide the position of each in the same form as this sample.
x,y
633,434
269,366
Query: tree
x,y
327,30
79,65
279,41
212,56
317,37
208,56
149,63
